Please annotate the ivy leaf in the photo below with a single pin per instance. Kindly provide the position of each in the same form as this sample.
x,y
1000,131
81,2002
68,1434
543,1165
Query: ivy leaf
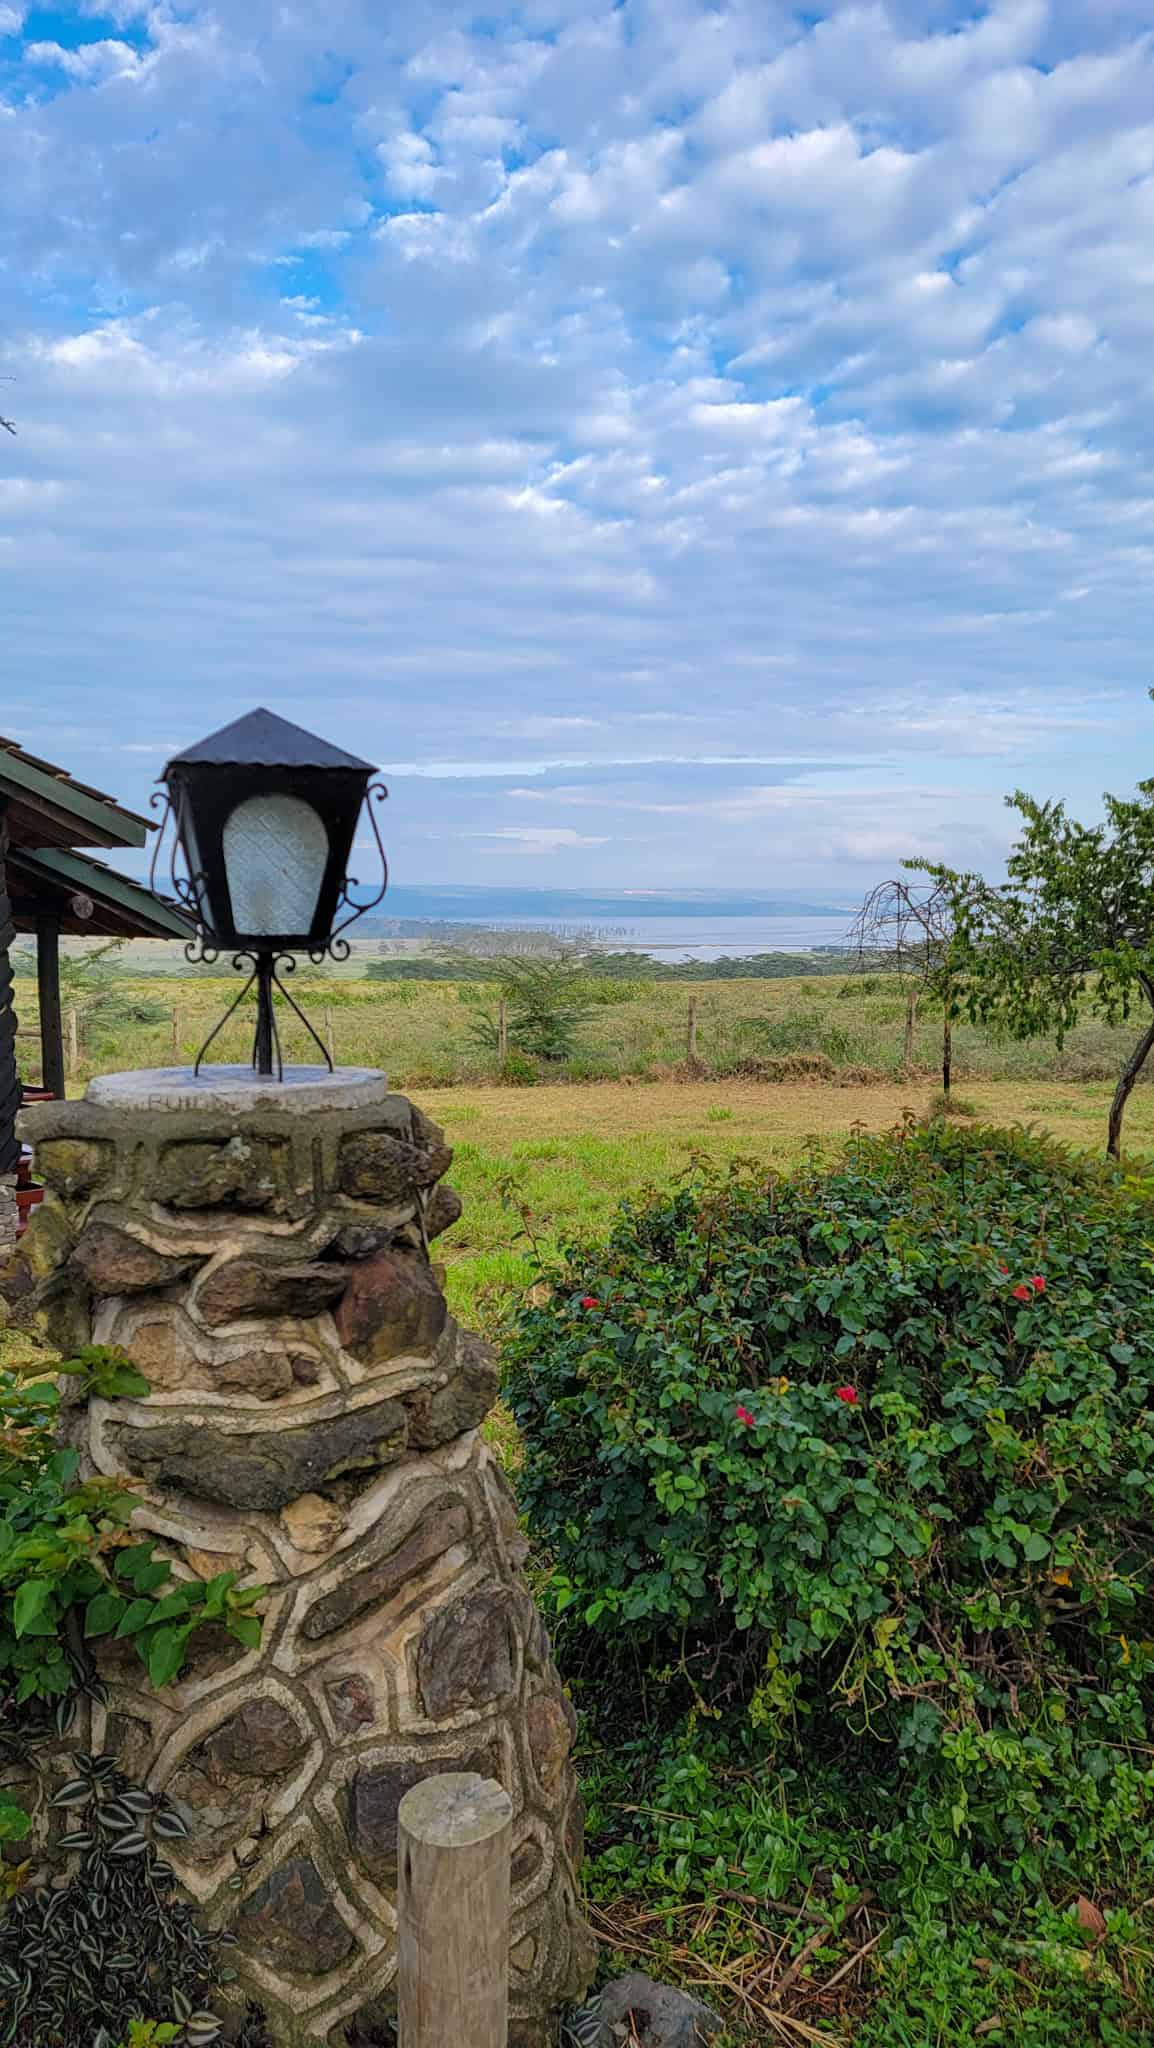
x,y
1036,1547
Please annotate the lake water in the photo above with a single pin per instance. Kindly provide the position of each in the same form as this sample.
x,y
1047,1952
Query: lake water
x,y
704,937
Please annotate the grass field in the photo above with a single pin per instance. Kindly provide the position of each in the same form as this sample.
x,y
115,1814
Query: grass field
x,y
574,1152
422,1033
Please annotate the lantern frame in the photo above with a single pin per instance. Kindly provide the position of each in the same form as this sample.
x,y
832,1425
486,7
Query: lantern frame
x,y
263,755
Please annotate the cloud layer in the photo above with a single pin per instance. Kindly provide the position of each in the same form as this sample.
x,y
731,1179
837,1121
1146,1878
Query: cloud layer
x,y
733,418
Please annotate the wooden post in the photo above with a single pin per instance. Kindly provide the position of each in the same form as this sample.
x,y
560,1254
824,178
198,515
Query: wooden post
x,y
74,1040
329,1035
175,1036
51,1022
9,1078
454,1843
691,1030
911,1020
502,1030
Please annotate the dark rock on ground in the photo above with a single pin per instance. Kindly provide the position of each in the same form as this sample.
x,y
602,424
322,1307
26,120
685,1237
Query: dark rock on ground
x,y
661,2017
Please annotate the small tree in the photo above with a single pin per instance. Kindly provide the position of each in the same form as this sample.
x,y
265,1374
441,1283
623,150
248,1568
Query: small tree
x,y
1071,929
543,1003
905,929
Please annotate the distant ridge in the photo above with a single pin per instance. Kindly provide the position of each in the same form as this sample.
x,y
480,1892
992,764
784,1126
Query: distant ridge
x,y
473,903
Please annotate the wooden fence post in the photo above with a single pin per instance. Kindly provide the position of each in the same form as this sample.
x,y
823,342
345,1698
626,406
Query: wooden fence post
x,y
329,1035
502,1030
454,1844
175,1035
691,1031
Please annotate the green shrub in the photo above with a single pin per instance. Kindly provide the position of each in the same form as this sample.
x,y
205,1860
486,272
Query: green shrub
x,y
866,1456
68,1571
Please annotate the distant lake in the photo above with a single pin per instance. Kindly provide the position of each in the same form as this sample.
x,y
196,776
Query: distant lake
x,y
703,937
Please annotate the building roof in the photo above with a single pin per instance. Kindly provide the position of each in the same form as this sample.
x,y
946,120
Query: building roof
x,y
46,881
45,806
261,739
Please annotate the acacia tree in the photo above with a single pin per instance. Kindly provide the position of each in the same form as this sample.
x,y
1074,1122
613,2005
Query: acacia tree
x,y
905,929
1071,929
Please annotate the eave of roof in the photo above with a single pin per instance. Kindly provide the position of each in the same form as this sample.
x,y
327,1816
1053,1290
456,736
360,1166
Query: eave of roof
x,y
62,873
45,798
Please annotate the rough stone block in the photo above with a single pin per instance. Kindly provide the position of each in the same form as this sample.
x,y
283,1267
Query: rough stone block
x,y
74,1167
392,1307
437,1416
445,1209
374,1794
376,1166
242,1288
467,1653
242,1172
114,1262
551,1725
291,1920
264,1468
442,1524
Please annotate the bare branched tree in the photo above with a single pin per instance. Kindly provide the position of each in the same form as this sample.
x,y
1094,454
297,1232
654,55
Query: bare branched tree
x,y
904,928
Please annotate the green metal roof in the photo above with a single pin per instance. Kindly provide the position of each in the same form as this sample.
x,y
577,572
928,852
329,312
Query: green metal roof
x,y
60,872
48,807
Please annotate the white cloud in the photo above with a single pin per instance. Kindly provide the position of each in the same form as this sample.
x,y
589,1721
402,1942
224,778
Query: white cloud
x,y
90,62
498,395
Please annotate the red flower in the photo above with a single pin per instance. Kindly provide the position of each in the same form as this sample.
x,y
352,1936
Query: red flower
x,y
590,1301
847,1394
743,1415
1003,1269
1038,1282
1021,1292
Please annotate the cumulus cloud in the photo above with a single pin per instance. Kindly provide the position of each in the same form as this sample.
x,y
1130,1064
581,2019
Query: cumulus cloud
x,y
490,391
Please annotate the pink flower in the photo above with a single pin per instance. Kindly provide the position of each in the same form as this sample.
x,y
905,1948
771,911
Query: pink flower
x,y
590,1301
1038,1282
846,1394
1021,1292
743,1415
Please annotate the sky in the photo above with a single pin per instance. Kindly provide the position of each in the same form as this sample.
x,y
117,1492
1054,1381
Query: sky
x,y
684,442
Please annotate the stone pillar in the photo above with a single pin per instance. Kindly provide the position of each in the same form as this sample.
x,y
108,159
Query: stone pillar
x,y
261,1253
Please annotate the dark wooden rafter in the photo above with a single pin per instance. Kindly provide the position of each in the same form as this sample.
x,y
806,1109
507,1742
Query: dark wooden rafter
x,y
52,1073
9,1078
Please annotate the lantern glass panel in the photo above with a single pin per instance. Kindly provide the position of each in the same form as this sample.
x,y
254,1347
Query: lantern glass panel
x,y
275,852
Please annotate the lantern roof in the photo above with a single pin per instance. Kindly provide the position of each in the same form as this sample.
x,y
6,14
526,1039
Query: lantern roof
x,y
261,739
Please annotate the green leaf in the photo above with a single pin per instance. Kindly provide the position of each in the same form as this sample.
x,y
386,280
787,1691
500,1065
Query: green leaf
x,y
163,1653
102,1614
1036,1547
136,1616
29,1604
246,1629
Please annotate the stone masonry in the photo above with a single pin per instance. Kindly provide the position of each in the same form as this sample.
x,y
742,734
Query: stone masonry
x,y
313,1425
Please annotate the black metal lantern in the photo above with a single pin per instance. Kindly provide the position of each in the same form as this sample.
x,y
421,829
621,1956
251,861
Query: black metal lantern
x,y
265,816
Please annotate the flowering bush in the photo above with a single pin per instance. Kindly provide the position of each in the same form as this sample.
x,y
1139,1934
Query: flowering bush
x,y
866,1455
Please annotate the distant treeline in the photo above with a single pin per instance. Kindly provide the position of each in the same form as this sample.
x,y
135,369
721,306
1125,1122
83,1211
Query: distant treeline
x,y
625,966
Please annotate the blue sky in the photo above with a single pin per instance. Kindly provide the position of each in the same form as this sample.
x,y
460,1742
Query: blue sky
x,y
683,443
